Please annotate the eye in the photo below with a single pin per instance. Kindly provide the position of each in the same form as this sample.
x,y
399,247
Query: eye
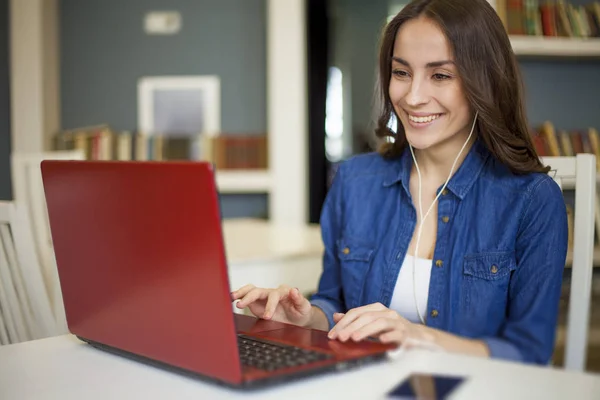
x,y
441,77
400,73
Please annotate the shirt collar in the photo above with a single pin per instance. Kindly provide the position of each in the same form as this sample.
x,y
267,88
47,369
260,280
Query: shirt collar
x,y
461,181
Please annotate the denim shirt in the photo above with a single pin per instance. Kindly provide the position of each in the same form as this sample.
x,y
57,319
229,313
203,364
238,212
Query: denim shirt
x,y
498,260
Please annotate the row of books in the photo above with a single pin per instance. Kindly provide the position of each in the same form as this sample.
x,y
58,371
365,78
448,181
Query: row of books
x,y
552,142
550,18
226,151
102,143
239,151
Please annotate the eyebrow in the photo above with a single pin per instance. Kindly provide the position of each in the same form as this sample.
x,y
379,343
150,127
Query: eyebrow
x,y
433,64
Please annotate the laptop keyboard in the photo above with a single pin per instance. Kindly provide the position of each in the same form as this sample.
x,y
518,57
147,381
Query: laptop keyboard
x,y
271,356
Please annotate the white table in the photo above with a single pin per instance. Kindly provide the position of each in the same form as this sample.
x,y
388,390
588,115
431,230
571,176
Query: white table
x,y
63,368
268,255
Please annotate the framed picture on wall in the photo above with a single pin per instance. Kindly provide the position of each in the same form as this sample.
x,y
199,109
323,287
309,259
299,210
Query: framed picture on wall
x,y
176,108
179,105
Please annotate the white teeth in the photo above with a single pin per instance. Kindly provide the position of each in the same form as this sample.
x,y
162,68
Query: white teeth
x,y
428,118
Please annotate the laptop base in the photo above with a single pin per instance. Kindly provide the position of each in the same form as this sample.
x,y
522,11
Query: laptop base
x,y
266,382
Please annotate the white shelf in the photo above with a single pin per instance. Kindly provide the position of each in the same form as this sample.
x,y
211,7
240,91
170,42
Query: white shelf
x,y
569,184
543,46
244,181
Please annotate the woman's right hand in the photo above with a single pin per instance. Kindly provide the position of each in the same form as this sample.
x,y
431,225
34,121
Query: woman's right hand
x,y
284,304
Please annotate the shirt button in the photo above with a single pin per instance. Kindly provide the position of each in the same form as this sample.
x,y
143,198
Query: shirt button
x,y
346,251
494,269
434,313
444,192
445,219
439,263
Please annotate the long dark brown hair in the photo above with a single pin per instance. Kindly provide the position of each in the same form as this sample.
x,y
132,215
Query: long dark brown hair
x,y
489,75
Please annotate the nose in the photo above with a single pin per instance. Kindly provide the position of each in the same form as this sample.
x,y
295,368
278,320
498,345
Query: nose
x,y
417,93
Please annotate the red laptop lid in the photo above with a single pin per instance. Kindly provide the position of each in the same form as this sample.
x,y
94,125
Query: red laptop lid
x,y
141,260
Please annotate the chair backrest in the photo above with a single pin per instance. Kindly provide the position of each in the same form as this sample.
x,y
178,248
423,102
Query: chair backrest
x,y
25,310
28,192
13,327
579,173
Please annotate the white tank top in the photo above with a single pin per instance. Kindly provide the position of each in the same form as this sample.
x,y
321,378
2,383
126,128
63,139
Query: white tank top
x,y
403,298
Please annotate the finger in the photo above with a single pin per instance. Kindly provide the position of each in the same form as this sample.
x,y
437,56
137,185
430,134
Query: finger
x,y
300,302
241,292
358,311
373,307
357,324
252,296
341,323
296,297
272,302
379,326
338,316
347,319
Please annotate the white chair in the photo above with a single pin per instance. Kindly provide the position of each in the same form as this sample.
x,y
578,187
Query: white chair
x,y
28,191
13,300
24,301
582,170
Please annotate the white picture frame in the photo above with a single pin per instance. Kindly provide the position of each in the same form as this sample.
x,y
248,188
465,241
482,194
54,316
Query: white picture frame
x,y
179,105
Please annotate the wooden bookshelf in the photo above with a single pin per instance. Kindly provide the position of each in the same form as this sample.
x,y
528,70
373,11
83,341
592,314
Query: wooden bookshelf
x,y
544,46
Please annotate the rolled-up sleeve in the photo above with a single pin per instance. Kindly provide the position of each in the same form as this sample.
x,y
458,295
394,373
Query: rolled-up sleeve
x,y
329,296
541,246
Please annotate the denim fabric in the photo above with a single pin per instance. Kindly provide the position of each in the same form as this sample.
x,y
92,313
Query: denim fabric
x,y
498,260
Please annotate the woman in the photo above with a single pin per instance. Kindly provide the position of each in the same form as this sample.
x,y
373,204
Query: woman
x,y
453,235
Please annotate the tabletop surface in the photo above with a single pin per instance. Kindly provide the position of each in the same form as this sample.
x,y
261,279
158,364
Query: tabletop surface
x,y
65,368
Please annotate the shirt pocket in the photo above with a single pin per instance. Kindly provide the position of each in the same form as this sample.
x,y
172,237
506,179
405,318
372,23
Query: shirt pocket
x,y
486,279
355,258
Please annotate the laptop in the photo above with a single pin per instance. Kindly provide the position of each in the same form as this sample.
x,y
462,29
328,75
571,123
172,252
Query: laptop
x,y
143,273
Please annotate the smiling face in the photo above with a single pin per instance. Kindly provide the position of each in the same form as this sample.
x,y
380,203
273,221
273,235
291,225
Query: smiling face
x,y
425,89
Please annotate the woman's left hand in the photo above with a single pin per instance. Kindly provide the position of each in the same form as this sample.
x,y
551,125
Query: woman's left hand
x,y
376,320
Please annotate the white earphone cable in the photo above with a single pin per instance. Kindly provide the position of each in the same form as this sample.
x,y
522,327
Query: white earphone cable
x,y
420,228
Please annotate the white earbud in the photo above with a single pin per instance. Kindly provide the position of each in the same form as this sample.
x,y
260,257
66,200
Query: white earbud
x,y
429,210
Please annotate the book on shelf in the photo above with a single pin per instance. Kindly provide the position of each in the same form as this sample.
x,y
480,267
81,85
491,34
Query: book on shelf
x,y
238,151
100,142
551,18
553,142
226,151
